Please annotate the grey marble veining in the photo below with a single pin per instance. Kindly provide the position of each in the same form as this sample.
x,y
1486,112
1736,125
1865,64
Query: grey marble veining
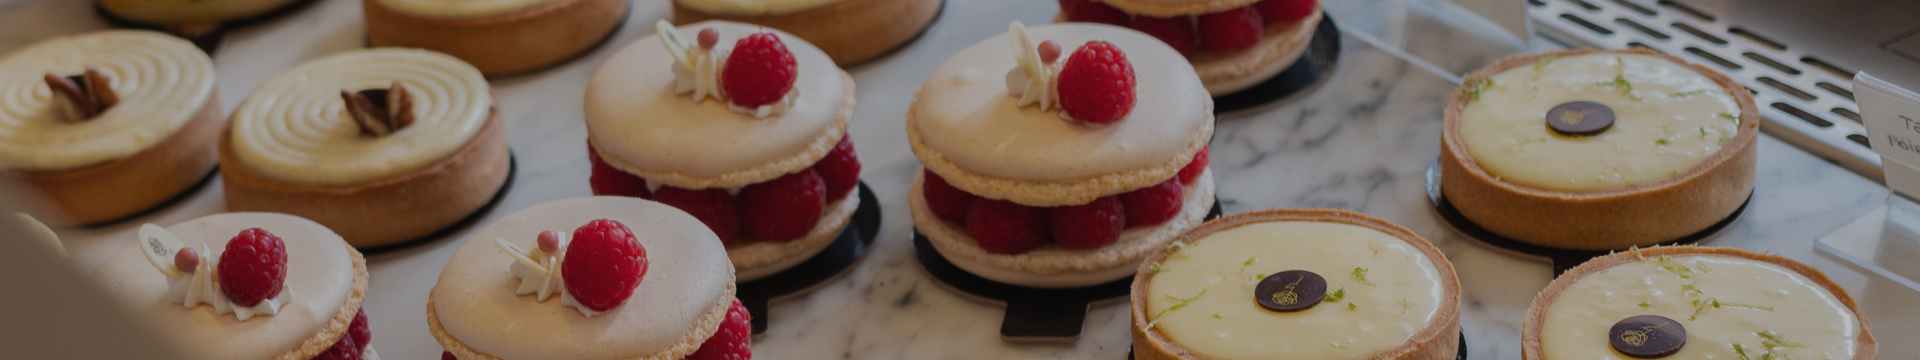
x,y
1361,141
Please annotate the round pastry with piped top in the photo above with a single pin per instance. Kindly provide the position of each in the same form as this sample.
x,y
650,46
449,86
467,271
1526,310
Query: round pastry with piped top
x,y
246,286
1691,302
1061,155
1598,150
742,126
107,124
384,145
1297,284
849,31
499,37
602,277
1233,44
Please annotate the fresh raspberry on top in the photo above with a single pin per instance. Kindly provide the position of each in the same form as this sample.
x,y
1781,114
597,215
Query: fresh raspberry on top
x,y
1094,12
1231,30
1285,10
713,207
785,208
1154,204
254,267
948,202
606,180
358,330
734,340
1003,227
1096,84
344,349
1175,31
1198,166
1089,225
840,169
603,264
759,71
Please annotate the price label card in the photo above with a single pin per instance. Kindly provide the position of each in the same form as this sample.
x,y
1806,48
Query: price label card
x,y
1892,116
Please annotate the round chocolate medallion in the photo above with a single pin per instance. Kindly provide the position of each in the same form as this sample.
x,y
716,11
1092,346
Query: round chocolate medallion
x,y
1647,336
1291,290
1580,118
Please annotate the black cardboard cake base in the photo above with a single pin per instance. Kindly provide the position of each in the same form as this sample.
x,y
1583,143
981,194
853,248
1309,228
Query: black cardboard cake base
x,y
210,40
1562,259
1313,68
1461,356
1033,314
830,264
513,170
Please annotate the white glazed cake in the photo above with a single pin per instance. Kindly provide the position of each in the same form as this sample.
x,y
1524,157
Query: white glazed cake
x,y
1382,291
682,299
1731,303
992,133
159,133
325,282
380,174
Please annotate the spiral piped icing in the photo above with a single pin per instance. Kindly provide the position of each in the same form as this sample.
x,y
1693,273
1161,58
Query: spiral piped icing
x,y
162,81
295,128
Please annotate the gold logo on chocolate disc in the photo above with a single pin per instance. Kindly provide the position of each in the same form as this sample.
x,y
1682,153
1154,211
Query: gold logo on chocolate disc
x,y
1574,117
1639,337
1288,297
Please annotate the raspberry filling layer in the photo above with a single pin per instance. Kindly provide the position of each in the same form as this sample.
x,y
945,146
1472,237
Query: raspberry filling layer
x,y
732,341
779,210
351,344
1220,32
1004,227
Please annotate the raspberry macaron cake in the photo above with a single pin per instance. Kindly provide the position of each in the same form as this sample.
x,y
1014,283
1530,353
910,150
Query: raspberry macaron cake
x,y
246,286
741,126
107,124
1064,170
849,31
1233,44
384,145
603,277
499,37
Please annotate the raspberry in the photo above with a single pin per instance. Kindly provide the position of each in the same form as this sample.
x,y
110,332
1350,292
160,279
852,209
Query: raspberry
x,y
733,341
840,169
358,330
783,209
603,264
1003,227
1154,204
1284,10
1175,31
254,267
445,355
1231,30
712,206
1194,169
1088,226
948,202
760,71
1096,84
607,180
1093,12
344,349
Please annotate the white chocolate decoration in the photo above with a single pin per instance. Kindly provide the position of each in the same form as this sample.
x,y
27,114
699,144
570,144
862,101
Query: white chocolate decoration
x,y
1031,79
198,286
1668,118
1722,301
1393,289
639,124
459,9
189,11
295,129
319,265
539,274
687,273
696,71
753,7
163,82
965,114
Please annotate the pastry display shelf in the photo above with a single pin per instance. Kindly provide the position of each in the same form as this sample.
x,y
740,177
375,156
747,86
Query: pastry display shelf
x,y
1360,141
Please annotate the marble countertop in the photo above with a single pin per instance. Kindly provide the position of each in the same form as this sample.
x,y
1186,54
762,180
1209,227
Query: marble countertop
x,y
1361,141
